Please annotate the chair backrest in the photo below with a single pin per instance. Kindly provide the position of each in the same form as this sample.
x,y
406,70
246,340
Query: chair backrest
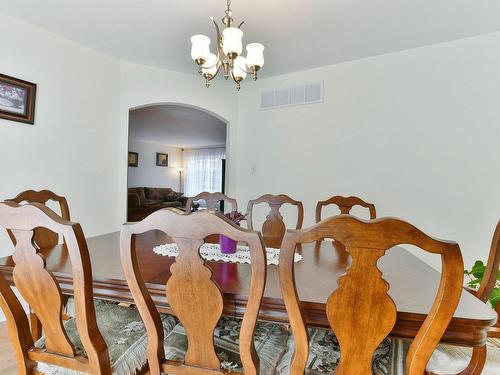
x,y
43,237
192,293
360,311
41,291
213,200
274,228
345,205
492,270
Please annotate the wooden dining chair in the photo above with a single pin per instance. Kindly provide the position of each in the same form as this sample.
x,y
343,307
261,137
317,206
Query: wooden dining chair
x,y
43,237
490,278
77,343
345,205
213,201
274,228
360,311
193,294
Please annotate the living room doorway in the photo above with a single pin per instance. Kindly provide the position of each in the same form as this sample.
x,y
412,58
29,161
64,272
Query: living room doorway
x,y
175,151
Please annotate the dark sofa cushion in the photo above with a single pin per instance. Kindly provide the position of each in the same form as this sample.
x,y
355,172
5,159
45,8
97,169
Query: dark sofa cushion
x,y
157,194
133,200
145,200
173,196
140,193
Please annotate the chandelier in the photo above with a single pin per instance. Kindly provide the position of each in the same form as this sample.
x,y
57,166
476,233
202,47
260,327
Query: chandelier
x,y
228,54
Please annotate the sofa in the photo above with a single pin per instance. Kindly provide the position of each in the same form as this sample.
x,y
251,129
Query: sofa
x,y
143,201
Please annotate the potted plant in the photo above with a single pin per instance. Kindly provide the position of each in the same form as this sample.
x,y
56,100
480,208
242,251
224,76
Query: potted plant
x,y
476,275
228,245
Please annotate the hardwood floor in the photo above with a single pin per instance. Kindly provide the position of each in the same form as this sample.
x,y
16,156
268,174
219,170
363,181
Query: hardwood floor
x,y
7,358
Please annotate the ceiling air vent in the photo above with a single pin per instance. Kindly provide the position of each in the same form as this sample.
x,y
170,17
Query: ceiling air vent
x,y
298,95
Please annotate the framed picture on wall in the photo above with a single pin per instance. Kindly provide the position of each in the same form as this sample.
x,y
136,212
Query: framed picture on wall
x,y
17,99
161,159
133,159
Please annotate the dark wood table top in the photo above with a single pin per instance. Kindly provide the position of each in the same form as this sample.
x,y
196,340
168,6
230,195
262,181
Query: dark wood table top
x,y
413,283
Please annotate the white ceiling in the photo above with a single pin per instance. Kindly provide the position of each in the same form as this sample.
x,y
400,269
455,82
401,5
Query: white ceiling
x,y
298,34
176,125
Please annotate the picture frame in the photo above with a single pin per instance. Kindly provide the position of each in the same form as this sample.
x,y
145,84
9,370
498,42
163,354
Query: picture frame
x,y
17,99
133,159
161,159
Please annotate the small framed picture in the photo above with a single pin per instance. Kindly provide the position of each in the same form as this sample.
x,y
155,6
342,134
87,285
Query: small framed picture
x,y
17,99
133,159
161,159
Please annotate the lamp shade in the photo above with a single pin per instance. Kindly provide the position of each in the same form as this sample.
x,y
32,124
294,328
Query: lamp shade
x,y
255,55
180,169
209,68
231,40
239,68
200,47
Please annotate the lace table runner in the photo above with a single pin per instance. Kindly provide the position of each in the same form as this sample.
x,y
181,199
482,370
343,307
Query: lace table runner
x,y
211,251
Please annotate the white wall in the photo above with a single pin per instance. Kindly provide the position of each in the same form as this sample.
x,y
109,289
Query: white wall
x,y
72,147
416,132
78,145
141,85
148,173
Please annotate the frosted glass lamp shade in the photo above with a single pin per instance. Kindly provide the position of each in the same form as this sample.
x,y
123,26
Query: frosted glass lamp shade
x,y
209,68
231,41
255,55
200,47
239,68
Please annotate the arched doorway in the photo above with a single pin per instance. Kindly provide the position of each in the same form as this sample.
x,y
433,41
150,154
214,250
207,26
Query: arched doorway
x,y
175,151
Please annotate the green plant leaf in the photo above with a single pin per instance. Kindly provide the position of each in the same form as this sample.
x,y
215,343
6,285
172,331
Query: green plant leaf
x,y
495,297
478,271
478,263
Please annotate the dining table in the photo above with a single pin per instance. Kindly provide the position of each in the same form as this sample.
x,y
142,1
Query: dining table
x,y
413,284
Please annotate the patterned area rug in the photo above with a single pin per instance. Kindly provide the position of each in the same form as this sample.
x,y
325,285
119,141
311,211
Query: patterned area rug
x,y
270,342
324,355
390,357
125,335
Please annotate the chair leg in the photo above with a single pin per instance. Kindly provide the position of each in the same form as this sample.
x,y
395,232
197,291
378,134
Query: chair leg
x,y
476,364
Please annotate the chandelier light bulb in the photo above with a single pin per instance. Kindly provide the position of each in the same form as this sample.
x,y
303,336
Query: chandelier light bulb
x,y
209,68
239,72
200,48
231,42
255,56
